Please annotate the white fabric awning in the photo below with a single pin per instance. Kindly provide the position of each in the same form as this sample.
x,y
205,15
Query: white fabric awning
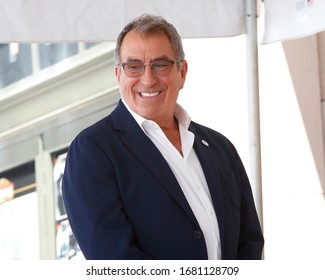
x,y
102,20
291,19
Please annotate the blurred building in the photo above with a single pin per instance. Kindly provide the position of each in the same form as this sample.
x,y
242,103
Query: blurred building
x,y
48,93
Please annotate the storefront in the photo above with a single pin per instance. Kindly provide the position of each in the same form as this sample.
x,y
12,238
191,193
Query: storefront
x,y
42,114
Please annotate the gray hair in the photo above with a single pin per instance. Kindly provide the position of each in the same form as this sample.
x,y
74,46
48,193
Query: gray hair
x,y
149,24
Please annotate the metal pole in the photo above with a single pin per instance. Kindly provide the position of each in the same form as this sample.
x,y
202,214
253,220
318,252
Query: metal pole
x,y
253,105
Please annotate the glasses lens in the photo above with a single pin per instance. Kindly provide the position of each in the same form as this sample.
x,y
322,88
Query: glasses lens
x,y
134,69
158,68
162,67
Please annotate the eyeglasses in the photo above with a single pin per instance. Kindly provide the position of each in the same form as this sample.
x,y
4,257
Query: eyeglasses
x,y
159,68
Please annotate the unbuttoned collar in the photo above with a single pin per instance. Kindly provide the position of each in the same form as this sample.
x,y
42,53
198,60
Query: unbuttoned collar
x,y
180,114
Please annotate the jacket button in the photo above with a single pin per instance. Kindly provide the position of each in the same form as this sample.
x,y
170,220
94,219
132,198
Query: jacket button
x,y
197,234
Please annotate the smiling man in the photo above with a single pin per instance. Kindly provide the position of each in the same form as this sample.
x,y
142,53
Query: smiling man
x,y
146,182
152,79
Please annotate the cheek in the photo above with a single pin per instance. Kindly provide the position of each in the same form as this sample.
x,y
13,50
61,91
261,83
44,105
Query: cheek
x,y
126,84
177,84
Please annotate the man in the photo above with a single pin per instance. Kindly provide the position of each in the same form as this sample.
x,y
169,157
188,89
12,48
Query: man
x,y
148,183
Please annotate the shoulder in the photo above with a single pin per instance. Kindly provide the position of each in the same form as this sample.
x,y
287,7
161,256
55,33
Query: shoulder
x,y
209,133
218,142
97,129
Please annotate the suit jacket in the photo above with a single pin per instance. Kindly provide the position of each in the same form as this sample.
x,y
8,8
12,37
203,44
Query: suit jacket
x,y
124,202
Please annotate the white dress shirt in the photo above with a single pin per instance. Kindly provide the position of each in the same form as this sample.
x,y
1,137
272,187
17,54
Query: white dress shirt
x,y
189,174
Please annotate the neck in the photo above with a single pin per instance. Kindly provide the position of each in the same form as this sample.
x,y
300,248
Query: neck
x,y
173,135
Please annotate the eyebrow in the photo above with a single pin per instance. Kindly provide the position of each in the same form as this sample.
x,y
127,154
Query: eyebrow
x,y
163,57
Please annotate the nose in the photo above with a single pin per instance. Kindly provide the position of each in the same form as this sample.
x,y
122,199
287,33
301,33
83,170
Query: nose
x,y
148,78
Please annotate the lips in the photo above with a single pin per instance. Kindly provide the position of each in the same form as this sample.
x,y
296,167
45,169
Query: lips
x,y
149,94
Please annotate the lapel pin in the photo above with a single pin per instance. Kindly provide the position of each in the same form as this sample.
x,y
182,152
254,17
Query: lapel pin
x,y
205,143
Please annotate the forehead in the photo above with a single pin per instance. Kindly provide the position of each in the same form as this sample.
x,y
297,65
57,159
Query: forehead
x,y
146,46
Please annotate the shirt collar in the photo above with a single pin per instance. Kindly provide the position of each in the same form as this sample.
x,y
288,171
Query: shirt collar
x,y
181,115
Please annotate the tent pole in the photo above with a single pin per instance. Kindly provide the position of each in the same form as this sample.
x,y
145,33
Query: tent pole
x,y
253,105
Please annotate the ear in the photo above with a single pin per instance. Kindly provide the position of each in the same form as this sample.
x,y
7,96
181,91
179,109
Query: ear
x,y
184,72
117,72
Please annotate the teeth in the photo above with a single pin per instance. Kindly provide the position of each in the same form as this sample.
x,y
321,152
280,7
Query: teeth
x,y
147,94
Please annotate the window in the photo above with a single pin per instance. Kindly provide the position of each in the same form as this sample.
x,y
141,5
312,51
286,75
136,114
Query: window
x,y
18,61
15,63
19,215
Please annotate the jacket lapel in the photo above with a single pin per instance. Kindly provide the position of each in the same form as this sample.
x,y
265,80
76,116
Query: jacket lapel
x,y
142,147
211,172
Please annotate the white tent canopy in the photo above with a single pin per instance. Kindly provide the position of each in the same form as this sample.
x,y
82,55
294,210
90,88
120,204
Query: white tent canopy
x,y
102,20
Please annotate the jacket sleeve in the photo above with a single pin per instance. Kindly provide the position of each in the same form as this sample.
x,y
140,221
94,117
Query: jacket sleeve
x,y
93,205
251,241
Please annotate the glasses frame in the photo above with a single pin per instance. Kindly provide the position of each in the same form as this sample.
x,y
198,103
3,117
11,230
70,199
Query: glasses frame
x,y
144,64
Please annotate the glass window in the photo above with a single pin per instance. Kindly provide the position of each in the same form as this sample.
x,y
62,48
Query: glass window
x,y
90,45
19,214
15,63
67,247
51,54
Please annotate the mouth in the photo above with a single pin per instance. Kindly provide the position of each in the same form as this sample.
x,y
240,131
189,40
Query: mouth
x,y
150,94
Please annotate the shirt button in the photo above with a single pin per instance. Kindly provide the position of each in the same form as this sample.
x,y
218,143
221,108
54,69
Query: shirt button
x,y
197,234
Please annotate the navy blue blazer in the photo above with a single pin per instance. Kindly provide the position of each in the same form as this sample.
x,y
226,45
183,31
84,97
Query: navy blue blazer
x,y
124,202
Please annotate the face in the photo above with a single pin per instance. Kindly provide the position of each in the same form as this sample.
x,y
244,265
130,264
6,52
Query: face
x,y
152,97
